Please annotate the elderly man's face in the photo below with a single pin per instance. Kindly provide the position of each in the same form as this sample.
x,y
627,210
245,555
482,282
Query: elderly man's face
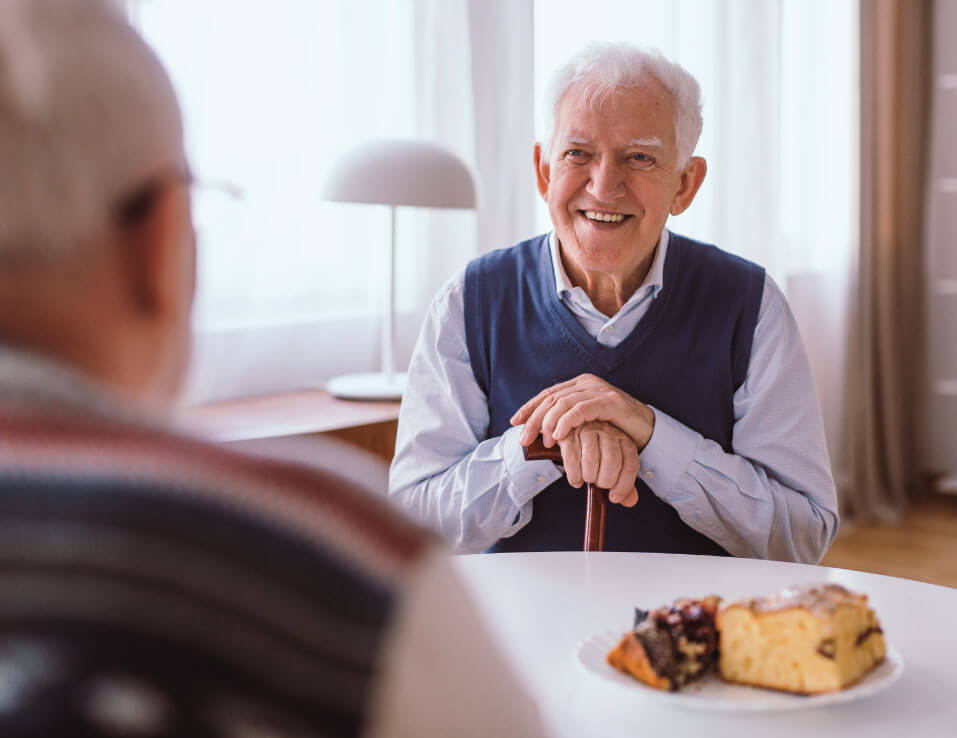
x,y
611,178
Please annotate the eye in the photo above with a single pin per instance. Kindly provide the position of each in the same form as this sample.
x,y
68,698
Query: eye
x,y
576,156
640,160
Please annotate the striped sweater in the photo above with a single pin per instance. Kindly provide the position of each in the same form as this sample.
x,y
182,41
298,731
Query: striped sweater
x,y
215,592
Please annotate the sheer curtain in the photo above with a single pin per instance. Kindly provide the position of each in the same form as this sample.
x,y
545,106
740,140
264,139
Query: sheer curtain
x,y
779,86
289,286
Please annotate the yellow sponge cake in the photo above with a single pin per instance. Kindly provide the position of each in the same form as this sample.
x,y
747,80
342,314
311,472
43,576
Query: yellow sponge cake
x,y
809,639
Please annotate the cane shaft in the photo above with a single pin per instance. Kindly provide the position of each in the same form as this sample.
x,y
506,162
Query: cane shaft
x,y
595,515
596,503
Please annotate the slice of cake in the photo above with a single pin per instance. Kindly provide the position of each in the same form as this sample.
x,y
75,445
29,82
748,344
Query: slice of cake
x,y
669,646
808,639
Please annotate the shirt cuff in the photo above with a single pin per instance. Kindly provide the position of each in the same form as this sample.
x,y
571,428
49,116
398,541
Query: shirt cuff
x,y
669,453
527,478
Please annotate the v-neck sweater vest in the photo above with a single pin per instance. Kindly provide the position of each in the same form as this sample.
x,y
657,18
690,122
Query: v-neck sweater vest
x,y
687,356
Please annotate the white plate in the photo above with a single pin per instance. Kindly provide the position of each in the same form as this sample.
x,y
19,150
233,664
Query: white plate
x,y
710,693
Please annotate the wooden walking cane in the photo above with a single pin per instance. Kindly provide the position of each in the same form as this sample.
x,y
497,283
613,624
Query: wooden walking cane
x,y
596,501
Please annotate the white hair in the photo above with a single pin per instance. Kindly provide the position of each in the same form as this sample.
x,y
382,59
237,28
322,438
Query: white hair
x,y
87,115
605,66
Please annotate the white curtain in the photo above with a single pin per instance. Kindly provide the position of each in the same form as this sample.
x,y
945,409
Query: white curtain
x,y
289,286
779,81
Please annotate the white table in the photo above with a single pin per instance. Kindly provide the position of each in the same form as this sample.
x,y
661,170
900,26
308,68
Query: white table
x,y
540,606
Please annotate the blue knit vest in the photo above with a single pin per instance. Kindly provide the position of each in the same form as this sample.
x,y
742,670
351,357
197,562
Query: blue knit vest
x,y
686,356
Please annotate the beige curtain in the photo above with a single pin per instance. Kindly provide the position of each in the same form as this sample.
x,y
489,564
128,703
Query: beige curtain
x,y
885,367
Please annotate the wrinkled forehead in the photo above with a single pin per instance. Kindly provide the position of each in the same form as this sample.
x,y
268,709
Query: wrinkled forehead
x,y
641,112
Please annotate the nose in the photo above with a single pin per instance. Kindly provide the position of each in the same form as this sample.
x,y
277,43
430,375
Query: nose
x,y
606,181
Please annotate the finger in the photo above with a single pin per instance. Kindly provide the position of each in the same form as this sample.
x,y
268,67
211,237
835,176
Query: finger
x,y
533,425
591,406
631,499
565,402
591,455
571,459
610,464
624,491
583,411
521,415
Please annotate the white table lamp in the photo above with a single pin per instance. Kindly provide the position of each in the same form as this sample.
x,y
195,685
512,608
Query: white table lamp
x,y
394,173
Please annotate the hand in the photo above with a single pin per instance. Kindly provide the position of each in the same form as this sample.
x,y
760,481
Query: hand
x,y
556,410
601,454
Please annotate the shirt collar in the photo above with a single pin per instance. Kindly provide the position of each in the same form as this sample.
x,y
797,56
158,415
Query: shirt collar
x,y
31,381
654,279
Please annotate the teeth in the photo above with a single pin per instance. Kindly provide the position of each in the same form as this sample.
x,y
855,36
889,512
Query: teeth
x,y
604,217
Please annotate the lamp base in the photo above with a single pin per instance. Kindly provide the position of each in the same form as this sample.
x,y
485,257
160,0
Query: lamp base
x,y
368,386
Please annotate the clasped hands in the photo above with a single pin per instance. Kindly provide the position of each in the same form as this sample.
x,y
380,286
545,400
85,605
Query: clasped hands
x,y
599,429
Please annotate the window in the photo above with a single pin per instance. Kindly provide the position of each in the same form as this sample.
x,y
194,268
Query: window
x,y
263,87
289,286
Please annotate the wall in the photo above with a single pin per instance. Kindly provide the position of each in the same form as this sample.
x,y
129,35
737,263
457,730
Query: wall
x,y
940,442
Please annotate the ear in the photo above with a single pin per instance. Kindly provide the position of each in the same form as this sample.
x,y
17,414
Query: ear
x,y
691,179
158,254
542,171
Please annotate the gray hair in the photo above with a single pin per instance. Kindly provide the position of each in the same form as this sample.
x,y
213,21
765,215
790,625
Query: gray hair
x,y
87,113
605,66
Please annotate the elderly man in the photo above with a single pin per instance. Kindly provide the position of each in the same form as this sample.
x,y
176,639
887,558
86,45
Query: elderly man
x,y
668,372
152,584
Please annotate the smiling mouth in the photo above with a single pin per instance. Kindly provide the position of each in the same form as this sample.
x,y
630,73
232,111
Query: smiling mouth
x,y
599,217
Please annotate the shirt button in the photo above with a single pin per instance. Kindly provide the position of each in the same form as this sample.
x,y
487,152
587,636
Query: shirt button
x,y
540,477
649,474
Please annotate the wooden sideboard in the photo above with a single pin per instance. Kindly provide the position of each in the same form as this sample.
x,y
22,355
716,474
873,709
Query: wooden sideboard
x,y
369,425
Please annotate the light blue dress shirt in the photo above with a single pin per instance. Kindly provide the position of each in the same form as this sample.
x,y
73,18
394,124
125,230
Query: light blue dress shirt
x,y
773,497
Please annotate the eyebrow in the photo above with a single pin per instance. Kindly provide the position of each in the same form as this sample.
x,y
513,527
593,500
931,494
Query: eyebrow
x,y
650,142
654,142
